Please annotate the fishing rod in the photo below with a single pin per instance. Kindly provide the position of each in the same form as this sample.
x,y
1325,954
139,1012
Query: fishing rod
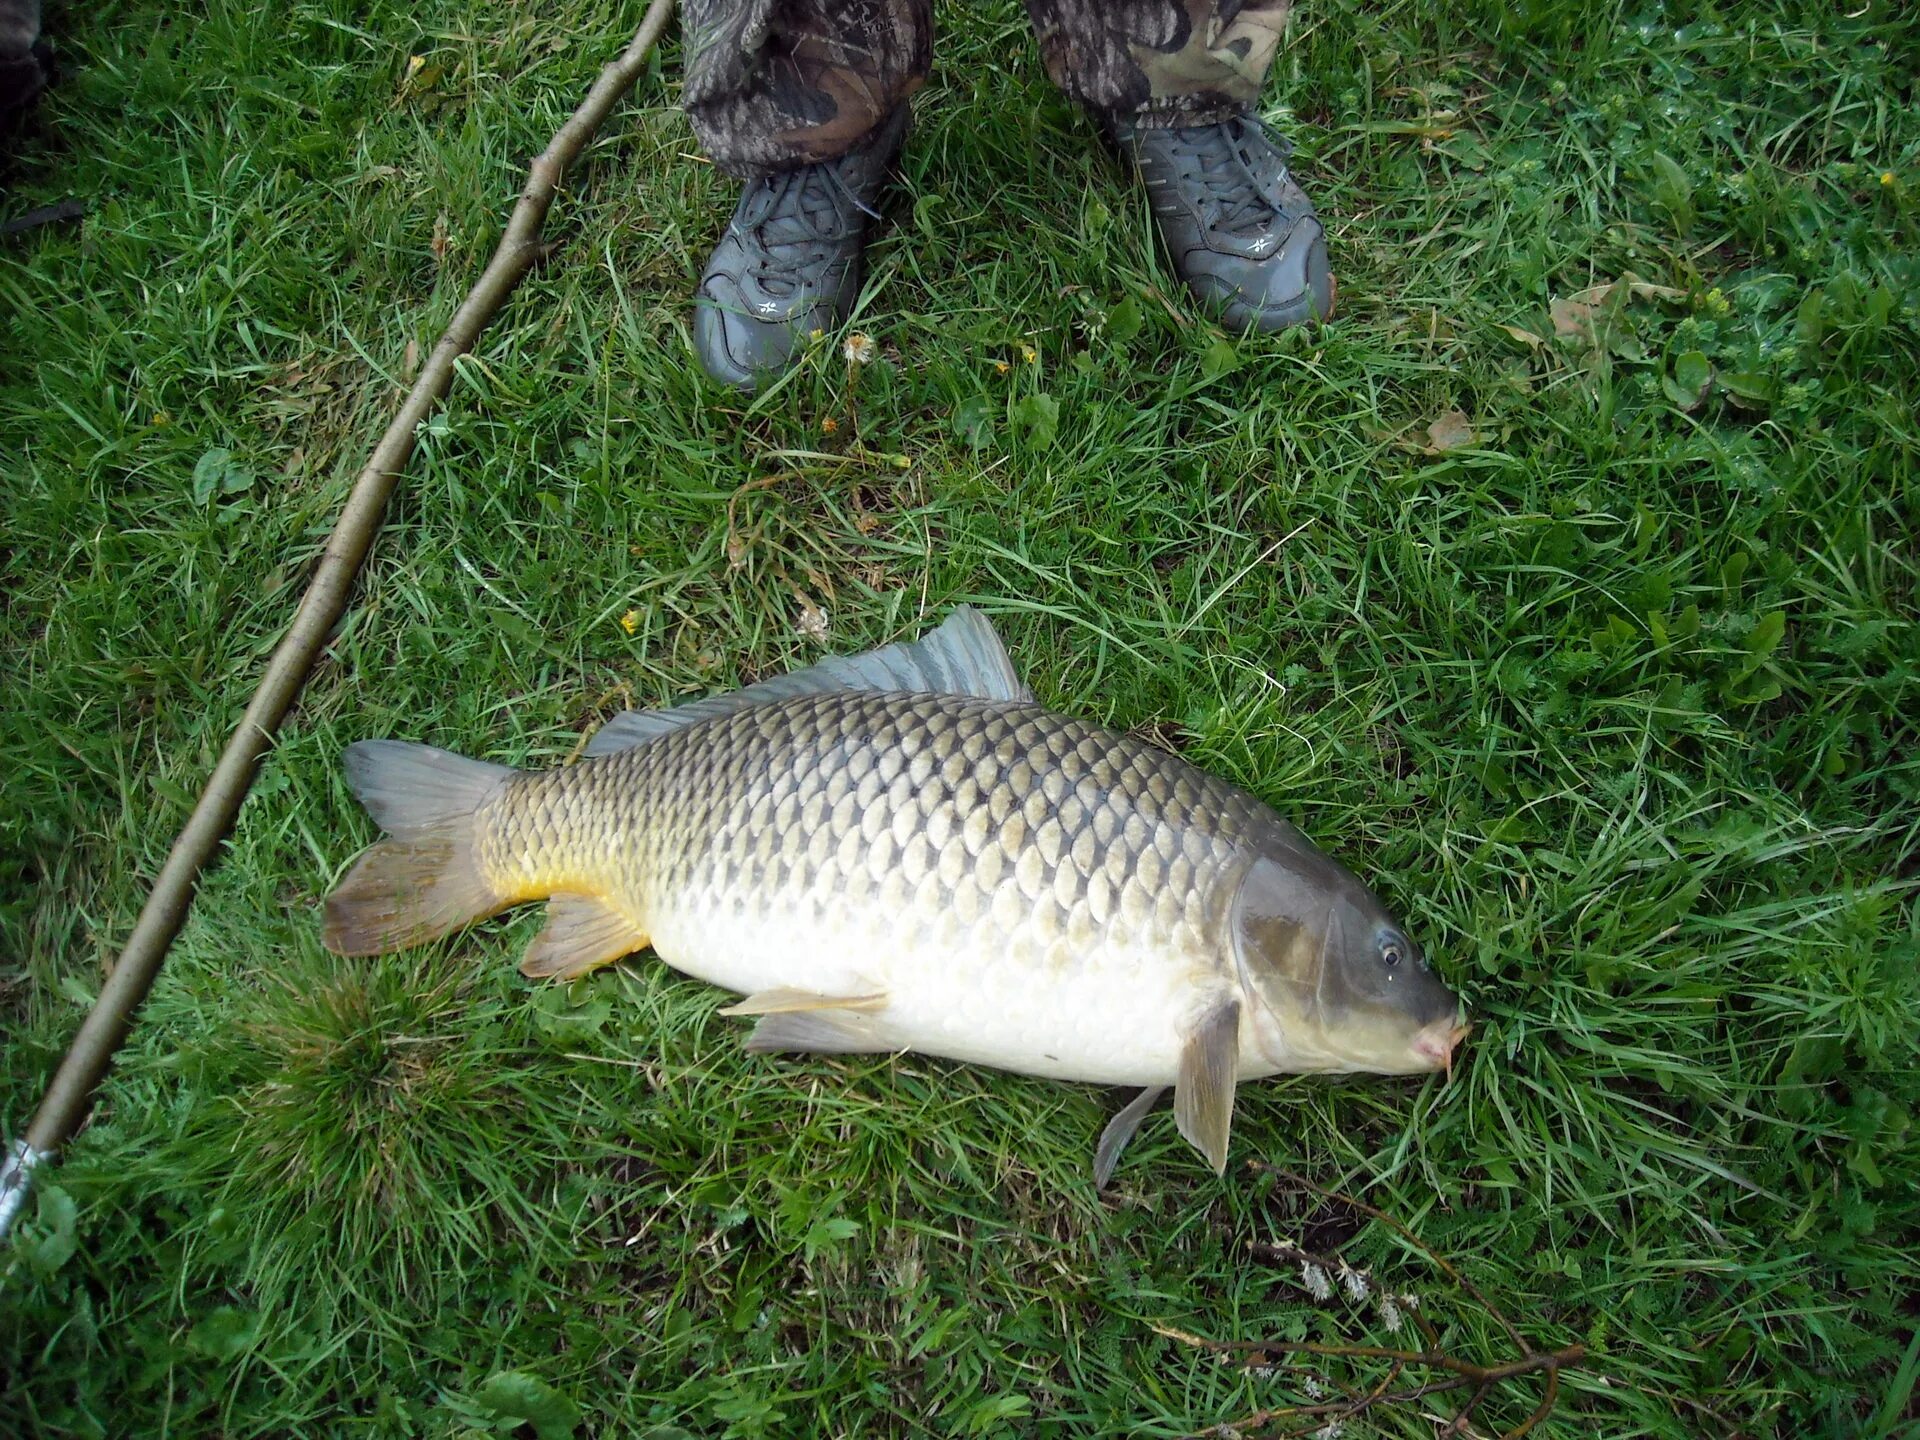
x,y
70,1094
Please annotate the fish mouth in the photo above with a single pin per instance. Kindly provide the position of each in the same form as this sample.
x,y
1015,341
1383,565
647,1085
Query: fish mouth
x,y
1434,1045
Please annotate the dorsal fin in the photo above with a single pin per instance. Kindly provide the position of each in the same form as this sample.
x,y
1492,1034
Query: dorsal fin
x,y
962,657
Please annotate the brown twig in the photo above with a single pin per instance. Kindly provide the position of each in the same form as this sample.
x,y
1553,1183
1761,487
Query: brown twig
x,y
1462,1373
1533,1360
71,1090
1332,1410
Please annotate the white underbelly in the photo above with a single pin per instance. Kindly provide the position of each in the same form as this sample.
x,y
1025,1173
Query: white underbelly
x,y
1110,1013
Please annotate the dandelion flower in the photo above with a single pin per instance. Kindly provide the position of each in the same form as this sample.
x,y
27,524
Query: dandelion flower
x,y
1029,354
860,349
630,621
1000,367
1886,177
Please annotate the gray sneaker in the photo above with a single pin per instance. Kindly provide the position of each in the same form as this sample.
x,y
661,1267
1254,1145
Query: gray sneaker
x,y
789,262
1243,236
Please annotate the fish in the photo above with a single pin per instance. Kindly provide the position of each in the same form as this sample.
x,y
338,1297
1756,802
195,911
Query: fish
x,y
903,851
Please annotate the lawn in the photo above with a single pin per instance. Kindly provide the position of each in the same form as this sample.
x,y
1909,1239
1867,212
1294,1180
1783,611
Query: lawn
x,y
1565,588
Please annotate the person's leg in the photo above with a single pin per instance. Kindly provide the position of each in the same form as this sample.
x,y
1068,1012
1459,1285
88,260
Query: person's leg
x,y
1176,62
805,100
1175,82
775,84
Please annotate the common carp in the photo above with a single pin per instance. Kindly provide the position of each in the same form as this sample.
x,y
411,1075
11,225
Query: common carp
x,y
901,851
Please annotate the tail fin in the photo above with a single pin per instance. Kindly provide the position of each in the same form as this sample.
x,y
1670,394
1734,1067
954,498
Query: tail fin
x,y
426,880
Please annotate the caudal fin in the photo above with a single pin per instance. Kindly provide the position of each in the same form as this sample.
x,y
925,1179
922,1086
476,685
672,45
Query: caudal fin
x,y
425,880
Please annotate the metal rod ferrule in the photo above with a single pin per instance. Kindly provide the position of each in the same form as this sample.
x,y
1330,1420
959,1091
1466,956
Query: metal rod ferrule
x,y
16,1181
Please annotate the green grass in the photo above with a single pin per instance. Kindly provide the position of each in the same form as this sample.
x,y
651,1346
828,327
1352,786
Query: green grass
x,y
1618,703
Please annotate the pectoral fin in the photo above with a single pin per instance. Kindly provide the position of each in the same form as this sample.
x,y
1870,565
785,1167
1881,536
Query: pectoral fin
x,y
792,1002
1203,1096
1119,1131
582,933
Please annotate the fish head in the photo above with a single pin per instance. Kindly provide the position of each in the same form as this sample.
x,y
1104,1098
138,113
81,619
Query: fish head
x,y
1333,981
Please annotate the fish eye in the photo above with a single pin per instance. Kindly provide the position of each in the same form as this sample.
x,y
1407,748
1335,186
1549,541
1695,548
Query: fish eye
x,y
1392,952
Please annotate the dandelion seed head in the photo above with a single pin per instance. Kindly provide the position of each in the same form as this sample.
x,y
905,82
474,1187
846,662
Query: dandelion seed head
x,y
1353,1281
860,349
1390,1315
812,622
1315,1279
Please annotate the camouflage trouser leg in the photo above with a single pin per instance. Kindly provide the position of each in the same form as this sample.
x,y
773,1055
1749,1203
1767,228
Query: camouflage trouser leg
x,y
772,84
1167,62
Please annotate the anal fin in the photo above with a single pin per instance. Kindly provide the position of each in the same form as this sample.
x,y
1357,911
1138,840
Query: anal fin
x,y
784,1001
583,932
819,1032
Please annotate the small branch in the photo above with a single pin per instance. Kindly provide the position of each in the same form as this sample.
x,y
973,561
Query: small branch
x,y
1462,1374
1541,1410
1458,1425
1527,1364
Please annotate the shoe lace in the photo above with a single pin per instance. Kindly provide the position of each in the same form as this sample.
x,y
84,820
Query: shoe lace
x,y
799,220
1240,168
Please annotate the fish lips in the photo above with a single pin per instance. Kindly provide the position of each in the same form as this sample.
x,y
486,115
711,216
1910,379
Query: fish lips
x,y
1435,1044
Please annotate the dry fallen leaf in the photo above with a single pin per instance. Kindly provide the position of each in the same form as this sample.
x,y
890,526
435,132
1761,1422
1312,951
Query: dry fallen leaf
x,y
1572,313
1570,316
1449,432
1636,290
440,239
410,361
